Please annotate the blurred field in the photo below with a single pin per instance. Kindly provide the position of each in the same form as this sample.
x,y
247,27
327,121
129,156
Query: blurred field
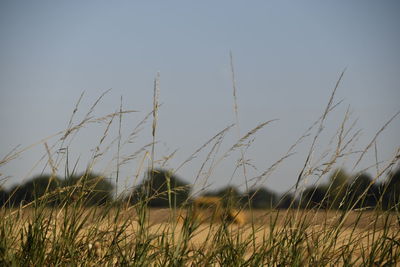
x,y
316,232
326,218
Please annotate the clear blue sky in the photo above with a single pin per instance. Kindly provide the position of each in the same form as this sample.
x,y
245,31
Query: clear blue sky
x,y
287,55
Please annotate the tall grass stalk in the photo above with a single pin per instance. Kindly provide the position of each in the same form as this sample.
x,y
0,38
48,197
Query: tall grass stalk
x,y
127,233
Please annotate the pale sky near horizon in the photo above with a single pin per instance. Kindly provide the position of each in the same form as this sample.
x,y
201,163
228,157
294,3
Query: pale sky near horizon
x,y
288,56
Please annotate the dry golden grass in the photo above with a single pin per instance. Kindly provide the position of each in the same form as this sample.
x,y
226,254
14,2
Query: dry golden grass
x,y
362,220
116,235
358,231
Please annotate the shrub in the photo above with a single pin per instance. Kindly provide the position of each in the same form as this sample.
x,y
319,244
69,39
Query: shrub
x,y
162,188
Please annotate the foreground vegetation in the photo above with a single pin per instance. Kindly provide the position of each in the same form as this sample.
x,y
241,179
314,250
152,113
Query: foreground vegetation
x,y
77,222
74,237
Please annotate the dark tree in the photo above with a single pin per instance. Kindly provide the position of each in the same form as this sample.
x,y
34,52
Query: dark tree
x,y
3,197
40,187
230,196
260,198
337,188
390,191
90,188
161,188
362,192
314,197
287,201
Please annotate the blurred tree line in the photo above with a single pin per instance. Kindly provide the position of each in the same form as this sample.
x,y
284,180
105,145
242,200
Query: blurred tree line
x,y
359,191
162,188
88,188
342,191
